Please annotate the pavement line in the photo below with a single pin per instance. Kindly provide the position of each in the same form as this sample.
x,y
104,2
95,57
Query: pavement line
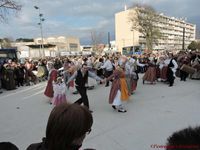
x,y
32,95
21,91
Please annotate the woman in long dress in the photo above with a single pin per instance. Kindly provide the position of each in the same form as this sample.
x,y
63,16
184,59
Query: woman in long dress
x,y
150,74
52,77
119,90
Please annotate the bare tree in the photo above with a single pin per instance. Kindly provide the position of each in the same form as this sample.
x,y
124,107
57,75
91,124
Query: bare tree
x,y
5,43
7,6
143,18
96,39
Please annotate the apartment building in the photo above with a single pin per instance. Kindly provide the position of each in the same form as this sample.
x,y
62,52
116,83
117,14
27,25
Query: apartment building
x,y
174,31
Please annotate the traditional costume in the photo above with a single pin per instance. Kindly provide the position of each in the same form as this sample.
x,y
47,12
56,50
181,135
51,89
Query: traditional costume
x,y
150,74
119,90
52,77
59,90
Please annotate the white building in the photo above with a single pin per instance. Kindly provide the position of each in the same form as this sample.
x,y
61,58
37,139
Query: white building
x,y
51,46
170,27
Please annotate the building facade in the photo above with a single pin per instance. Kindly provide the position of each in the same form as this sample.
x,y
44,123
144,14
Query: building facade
x,y
51,46
171,28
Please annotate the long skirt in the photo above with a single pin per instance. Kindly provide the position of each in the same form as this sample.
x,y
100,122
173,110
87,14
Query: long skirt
x,y
133,85
163,73
150,74
117,100
59,99
124,89
128,82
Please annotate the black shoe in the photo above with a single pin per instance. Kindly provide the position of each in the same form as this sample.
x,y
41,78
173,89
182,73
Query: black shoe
x,y
122,110
75,92
170,85
143,82
28,84
106,85
114,107
90,111
90,87
1,92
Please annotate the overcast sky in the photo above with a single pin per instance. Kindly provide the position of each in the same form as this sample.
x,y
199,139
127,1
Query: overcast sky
x,y
79,17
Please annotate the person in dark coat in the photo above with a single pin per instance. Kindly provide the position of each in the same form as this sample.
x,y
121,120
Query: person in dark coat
x,y
66,129
172,66
19,71
8,77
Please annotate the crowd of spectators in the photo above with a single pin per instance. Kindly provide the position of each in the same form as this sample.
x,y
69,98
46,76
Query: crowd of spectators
x,y
26,72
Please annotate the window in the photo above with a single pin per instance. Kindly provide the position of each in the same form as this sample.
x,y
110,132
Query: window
x,y
3,55
73,46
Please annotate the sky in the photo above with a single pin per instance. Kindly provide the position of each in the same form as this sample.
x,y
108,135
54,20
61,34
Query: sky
x,y
79,18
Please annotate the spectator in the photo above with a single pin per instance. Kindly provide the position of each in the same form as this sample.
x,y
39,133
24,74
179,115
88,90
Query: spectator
x,y
8,146
186,139
67,127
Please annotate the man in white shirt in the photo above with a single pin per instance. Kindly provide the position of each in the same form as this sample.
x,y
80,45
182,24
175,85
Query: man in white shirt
x,y
108,66
81,79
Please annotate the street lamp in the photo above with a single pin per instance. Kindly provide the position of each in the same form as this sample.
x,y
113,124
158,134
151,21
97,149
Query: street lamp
x,y
41,19
133,36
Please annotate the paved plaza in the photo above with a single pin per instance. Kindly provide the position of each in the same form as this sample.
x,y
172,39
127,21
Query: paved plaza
x,y
154,113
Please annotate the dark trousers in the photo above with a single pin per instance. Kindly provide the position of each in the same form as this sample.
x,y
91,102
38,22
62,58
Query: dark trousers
x,y
170,76
107,74
100,72
84,98
183,75
0,83
20,81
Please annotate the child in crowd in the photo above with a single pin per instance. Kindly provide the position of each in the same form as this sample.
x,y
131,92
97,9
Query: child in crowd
x,y
59,89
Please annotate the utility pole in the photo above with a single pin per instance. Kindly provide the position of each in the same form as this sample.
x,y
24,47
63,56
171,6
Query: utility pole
x,y
183,46
109,46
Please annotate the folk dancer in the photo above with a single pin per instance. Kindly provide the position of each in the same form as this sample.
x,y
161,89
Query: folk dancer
x,y
81,79
119,90
52,77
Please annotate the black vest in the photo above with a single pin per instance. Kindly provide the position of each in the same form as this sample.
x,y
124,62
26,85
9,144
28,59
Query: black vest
x,y
80,80
171,63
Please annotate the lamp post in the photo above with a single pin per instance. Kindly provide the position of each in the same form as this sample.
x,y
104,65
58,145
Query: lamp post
x,y
132,36
41,19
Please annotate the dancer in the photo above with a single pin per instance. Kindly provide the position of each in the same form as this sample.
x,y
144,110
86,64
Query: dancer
x,y
52,77
81,78
59,89
108,66
150,74
172,66
134,73
119,90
